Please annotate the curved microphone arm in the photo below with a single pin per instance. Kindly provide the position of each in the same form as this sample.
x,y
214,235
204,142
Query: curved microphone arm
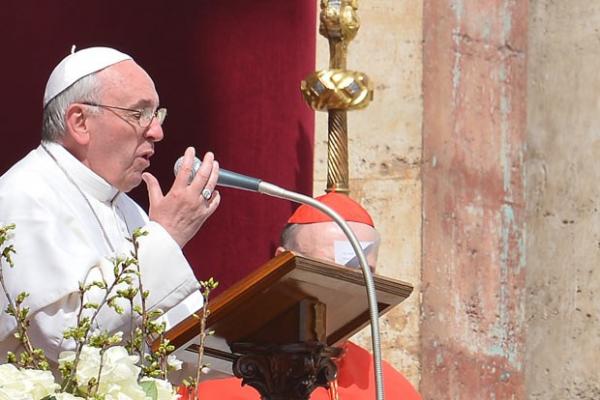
x,y
276,191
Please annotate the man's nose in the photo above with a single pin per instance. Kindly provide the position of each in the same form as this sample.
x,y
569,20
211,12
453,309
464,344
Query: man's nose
x,y
155,132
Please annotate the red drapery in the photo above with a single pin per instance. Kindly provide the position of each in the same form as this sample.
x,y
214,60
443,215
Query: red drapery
x,y
229,72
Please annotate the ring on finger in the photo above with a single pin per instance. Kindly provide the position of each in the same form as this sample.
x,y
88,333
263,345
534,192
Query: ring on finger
x,y
206,193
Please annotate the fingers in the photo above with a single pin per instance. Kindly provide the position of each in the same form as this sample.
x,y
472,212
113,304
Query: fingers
x,y
183,210
211,184
205,173
155,193
183,176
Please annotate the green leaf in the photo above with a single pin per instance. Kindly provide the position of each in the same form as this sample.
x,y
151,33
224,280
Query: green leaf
x,y
21,297
150,389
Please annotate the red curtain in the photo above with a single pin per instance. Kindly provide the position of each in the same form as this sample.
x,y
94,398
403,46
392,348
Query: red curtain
x,y
229,73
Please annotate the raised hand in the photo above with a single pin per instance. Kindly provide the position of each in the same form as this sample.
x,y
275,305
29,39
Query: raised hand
x,y
183,210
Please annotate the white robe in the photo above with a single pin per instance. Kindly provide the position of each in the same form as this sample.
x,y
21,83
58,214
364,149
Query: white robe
x,y
59,243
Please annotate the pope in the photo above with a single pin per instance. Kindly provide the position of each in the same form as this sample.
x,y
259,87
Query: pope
x,y
68,198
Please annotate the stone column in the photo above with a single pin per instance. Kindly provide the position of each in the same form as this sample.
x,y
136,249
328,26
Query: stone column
x,y
474,84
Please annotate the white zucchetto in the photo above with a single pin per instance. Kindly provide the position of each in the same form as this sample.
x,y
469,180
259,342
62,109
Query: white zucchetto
x,y
79,64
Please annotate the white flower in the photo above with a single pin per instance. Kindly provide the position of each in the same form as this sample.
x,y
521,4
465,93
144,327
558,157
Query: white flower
x,y
173,362
119,365
66,396
164,389
11,378
125,391
42,382
11,394
88,365
16,384
118,379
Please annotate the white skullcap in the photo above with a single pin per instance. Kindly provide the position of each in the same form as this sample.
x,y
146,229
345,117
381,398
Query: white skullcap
x,y
79,64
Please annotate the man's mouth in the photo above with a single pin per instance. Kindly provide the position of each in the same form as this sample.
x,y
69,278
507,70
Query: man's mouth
x,y
147,155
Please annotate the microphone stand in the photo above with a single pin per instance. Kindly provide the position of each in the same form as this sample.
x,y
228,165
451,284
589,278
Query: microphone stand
x,y
276,191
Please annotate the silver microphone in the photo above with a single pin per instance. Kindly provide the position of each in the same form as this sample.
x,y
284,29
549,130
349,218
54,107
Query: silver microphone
x,y
226,178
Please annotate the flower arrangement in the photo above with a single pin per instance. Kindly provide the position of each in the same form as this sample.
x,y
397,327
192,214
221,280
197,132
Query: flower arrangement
x,y
102,365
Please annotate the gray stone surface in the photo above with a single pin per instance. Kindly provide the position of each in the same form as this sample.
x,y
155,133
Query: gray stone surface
x,y
563,224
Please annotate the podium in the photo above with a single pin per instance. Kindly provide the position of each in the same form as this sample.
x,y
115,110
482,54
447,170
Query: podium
x,y
277,328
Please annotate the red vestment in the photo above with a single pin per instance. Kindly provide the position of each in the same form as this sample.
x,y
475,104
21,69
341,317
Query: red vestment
x,y
355,381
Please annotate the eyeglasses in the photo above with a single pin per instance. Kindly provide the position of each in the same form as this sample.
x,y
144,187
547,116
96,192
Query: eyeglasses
x,y
143,117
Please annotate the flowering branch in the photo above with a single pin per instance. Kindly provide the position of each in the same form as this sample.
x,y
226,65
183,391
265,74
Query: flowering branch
x,y
191,384
81,333
206,287
32,357
138,336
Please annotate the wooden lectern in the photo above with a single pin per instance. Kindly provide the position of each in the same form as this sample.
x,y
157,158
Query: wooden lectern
x,y
278,327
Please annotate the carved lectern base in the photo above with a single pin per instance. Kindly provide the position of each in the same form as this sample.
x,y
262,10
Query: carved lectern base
x,y
285,372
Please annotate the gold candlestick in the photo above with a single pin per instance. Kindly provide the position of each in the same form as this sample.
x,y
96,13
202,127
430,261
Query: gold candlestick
x,y
337,90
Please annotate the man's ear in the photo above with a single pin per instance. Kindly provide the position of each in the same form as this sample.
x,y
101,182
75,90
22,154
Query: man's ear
x,y
279,250
77,124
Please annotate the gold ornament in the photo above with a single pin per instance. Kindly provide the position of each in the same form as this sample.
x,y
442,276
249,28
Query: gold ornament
x,y
337,90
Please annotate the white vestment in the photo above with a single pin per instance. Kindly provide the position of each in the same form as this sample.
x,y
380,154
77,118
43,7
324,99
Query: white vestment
x,y
60,243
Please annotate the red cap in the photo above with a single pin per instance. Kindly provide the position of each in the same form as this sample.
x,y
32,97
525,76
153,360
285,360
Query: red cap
x,y
340,203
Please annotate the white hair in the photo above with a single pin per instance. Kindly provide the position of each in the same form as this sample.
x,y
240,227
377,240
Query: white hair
x,y
54,126
289,237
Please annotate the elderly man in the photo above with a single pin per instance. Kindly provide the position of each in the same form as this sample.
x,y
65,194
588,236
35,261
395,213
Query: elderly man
x,y
312,233
101,121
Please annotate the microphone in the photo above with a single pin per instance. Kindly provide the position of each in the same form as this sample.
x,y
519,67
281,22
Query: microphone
x,y
226,178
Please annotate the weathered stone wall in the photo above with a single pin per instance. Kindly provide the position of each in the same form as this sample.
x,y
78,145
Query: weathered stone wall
x,y
474,88
385,155
563,224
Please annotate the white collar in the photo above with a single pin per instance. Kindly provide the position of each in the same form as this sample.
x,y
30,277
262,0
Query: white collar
x,y
89,182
